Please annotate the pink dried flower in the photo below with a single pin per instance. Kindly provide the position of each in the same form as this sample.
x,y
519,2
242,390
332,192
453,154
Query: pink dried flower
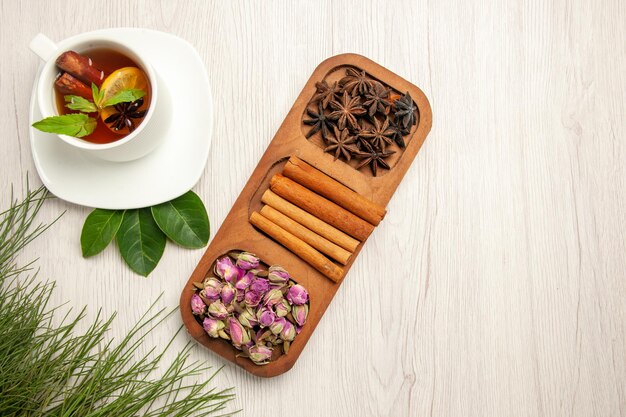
x,y
297,295
197,305
247,261
225,268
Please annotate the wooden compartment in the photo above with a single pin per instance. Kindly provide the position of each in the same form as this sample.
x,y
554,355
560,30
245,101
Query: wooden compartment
x,y
236,233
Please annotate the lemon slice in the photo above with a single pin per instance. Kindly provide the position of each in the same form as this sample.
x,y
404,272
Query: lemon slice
x,y
123,79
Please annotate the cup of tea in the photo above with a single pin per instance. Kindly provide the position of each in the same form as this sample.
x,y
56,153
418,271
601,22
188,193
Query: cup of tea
x,y
111,83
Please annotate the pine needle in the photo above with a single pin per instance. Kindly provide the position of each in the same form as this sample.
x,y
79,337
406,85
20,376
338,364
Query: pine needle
x,y
49,369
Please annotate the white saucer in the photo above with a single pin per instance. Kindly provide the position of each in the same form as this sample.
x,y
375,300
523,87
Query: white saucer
x,y
164,174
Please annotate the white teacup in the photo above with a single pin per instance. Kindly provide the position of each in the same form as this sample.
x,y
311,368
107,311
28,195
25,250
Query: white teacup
x,y
136,144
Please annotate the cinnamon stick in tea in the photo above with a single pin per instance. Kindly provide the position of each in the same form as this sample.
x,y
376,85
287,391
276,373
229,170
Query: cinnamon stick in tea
x,y
80,67
300,248
318,242
310,222
315,180
70,86
320,207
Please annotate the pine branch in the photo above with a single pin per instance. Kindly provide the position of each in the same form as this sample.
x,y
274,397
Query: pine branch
x,y
54,370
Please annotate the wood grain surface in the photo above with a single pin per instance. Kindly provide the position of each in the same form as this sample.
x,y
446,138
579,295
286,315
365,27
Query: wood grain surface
x,y
495,286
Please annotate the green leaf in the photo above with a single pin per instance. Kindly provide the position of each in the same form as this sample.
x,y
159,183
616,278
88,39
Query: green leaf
x,y
124,96
184,220
77,124
80,104
96,94
99,230
140,240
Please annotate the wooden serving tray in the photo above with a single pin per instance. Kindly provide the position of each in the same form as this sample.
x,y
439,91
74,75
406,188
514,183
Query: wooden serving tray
x,y
236,233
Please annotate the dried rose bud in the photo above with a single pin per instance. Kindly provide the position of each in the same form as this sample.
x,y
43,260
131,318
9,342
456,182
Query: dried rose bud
x,y
225,268
218,310
260,285
297,295
252,299
289,332
300,313
260,354
262,273
212,326
244,281
228,294
247,319
247,261
212,289
262,335
197,305
278,275
238,334
273,297
283,308
278,325
266,317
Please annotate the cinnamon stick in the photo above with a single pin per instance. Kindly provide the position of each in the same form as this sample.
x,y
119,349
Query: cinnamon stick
x,y
318,242
68,85
315,180
80,67
310,222
300,248
320,207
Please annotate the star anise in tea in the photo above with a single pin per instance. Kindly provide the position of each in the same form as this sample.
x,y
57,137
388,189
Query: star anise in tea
x,y
374,157
346,111
356,81
379,135
319,121
342,143
405,111
326,92
126,115
377,99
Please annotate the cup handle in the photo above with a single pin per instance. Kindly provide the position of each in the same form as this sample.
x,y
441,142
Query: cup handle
x,y
43,46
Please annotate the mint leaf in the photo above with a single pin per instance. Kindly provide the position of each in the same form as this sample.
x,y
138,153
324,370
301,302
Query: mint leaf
x,y
99,230
140,240
80,104
97,95
77,125
184,220
124,96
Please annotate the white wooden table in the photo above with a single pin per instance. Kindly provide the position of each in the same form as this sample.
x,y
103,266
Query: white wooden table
x,y
496,286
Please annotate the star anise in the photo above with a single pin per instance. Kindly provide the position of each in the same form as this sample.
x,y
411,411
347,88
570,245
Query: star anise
x,y
398,134
379,135
373,157
346,110
326,93
342,143
126,115
358,130
405,111
319,121
355,80
377,99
